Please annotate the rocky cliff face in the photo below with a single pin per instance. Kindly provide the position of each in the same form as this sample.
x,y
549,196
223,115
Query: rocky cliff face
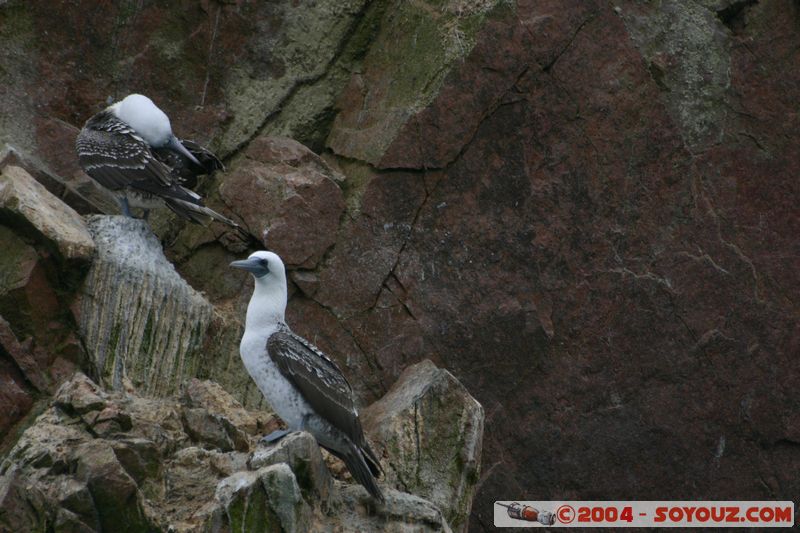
x,y
583,210
119,462
139,459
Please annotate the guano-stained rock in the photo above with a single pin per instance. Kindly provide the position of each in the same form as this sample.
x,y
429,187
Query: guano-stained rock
x,y
139,319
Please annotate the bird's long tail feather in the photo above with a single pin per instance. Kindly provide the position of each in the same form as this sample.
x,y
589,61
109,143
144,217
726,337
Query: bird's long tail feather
x,y
372,461
196,213
361,471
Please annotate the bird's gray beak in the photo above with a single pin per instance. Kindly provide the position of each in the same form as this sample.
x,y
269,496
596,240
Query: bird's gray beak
x,y
178,146
252,265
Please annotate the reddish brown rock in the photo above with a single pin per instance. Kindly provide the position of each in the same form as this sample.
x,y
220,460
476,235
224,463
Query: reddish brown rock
x,y
27,299
370,242
23,357
605,272
612,298
283,191
32,330
44,250
16,396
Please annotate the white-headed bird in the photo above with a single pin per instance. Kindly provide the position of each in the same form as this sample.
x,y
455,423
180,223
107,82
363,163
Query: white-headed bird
x,y
304,387
129,148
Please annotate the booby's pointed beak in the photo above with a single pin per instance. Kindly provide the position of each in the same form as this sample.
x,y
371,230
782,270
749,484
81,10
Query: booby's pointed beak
x,y
178,146
252,265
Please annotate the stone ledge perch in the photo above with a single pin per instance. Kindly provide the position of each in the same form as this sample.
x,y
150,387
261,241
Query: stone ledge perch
x,y
26,200
97,461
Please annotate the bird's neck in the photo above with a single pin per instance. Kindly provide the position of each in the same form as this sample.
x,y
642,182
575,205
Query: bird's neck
x,y
267,307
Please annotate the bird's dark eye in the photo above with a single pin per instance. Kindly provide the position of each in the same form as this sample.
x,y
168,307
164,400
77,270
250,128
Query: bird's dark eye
x,y
263,262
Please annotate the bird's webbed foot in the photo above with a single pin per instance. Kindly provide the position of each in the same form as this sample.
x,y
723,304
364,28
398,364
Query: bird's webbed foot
x,y
126,209
275,436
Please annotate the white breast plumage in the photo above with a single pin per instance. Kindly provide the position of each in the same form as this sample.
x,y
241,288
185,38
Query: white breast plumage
x,y
282,396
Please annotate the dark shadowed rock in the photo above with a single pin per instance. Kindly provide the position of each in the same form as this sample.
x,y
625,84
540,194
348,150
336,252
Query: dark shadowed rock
x,y
28,300
45,250
23,360
16,396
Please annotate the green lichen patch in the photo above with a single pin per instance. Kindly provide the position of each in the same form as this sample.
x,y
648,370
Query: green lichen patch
x,y
418,45
687,51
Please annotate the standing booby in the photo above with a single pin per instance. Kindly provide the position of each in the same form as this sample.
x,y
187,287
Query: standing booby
x,y
304,387
129,148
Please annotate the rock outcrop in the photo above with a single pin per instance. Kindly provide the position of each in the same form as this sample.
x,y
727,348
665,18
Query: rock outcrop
x,y
97,461
45,248
428,431
25,199
284,193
